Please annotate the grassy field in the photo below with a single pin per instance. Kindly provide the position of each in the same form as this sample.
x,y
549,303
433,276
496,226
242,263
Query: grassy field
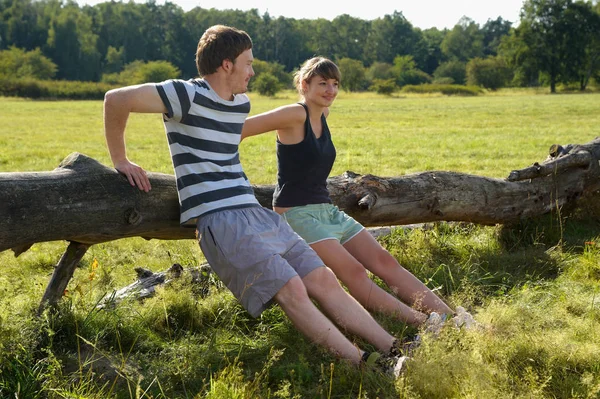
x,y
534,288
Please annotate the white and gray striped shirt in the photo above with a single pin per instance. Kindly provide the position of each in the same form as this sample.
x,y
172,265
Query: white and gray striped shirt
x,y
204,133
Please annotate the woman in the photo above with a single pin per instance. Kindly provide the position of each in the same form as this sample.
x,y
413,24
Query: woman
x,y
305,155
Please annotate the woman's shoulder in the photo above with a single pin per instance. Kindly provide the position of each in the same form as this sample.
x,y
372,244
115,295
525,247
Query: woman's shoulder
x,y
295,112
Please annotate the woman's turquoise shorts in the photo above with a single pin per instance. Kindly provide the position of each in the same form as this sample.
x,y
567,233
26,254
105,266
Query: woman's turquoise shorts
x,y
318,222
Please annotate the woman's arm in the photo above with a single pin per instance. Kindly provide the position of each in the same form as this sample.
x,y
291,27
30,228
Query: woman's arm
x,y
281,118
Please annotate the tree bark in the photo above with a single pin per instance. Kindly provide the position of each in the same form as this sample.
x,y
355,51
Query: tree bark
x,y
85,202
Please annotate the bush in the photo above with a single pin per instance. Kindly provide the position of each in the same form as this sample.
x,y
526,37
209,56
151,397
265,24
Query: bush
x,y
380,70
157,71
53,89
138,72
353,74
18,63
384,86
491,73
267,84
275,69
406,72
449,90
415,77
452,69
443,81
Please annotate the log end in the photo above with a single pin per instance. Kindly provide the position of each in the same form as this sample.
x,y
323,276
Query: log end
x,y
143,273
514,176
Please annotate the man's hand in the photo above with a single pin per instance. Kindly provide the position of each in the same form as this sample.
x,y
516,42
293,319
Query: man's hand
x,y
135,174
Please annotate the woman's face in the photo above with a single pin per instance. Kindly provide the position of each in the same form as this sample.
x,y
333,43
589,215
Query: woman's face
x,y
321,91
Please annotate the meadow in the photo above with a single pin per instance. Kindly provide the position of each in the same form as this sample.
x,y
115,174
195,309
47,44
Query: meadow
x,y
534,287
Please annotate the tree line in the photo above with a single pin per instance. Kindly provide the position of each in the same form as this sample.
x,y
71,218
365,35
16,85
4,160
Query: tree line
x,y
555,42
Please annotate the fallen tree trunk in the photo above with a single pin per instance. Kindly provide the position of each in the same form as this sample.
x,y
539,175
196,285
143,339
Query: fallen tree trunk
x,y
85,202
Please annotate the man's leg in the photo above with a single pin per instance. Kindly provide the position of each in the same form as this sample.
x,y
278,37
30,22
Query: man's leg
x,y
322,285
296,304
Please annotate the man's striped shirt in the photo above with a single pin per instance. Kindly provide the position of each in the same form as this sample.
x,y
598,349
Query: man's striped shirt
x,y
204,132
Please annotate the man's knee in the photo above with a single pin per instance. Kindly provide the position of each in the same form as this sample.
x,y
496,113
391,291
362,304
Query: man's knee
x,y
292,292
321,280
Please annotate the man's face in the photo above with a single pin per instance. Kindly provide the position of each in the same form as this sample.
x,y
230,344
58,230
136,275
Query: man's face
x,y
242,72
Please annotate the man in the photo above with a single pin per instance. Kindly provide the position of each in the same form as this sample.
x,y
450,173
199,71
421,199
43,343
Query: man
x,y
252,250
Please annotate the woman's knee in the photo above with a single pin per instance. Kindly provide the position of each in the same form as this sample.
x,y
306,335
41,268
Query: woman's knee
x,y
384,264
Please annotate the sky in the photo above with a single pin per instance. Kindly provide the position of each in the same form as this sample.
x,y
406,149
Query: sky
x,y
423,14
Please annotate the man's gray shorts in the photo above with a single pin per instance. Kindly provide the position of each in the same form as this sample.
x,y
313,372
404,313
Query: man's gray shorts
x,y
255,253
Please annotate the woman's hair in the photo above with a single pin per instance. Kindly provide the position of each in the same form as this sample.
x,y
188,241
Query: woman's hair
x,y
317,66
219,43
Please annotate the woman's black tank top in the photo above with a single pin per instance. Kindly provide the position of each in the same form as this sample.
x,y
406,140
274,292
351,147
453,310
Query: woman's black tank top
x,y
303,168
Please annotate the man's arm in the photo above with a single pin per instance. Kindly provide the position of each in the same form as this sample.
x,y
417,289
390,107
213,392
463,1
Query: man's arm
x,y
118,104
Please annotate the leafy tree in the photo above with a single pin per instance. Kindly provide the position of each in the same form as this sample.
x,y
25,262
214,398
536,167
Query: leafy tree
x,y
72,45
22,27
464,41
552,33
390,36
583,55
455,70
433,39
322,40
491,73
289,43
353,74
18,63
493,31
350,37
267,84
519,58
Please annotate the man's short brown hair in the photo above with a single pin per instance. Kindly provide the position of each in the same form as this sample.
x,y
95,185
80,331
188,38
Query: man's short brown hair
x,y
220,43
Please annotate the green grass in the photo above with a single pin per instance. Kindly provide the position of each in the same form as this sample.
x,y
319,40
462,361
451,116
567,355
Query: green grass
x,y
486,135
534,287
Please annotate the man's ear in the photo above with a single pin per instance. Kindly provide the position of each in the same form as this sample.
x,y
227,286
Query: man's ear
x,y
227,65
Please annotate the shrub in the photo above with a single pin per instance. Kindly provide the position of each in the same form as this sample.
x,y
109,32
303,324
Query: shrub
x,y
353,74
18,63
137,72
380,70
406,72
384,86
53,89
491,73
452,69
157,71
275,69
267,84
443,81
449,90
